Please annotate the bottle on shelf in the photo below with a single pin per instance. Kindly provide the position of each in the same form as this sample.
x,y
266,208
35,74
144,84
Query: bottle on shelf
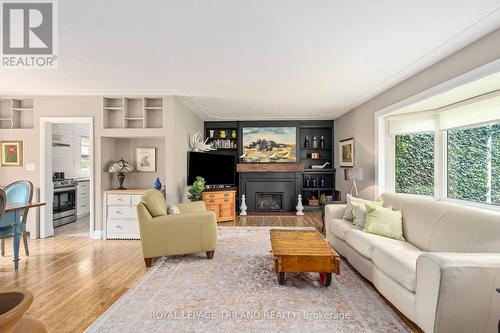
x,y
315,142
314,183
307,182
322,142
306,142
322,182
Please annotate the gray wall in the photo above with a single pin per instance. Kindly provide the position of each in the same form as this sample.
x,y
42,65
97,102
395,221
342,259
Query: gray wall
x,y
173,140
360,122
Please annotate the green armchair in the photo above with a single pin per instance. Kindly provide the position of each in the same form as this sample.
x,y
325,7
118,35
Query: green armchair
x,y
193,230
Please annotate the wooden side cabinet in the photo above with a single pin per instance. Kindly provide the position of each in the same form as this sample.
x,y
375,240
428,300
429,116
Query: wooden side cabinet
x,y
223,203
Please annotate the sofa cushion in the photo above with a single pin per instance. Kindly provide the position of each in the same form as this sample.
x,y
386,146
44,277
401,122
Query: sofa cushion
x,y
339,227
155,202
398,262
364,242
384,222
348,208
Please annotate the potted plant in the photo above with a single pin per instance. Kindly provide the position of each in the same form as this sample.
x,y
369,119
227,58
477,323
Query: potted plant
x,y
196,190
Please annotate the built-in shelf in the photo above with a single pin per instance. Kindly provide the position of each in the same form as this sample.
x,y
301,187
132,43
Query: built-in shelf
x,y
314,149
326,154
16,113
132,112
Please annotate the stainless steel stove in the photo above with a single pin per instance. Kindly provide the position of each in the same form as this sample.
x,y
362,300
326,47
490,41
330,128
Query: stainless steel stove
x,y
64,205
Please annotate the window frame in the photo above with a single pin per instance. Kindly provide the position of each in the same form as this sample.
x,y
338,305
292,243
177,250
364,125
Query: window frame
x,y
440,170
82,145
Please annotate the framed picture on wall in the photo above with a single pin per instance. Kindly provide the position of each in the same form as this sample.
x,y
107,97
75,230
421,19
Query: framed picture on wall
x,y
12,153
346,151
269,145
145,159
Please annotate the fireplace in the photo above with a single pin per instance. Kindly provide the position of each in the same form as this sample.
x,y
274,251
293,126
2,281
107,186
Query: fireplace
x,y
269,202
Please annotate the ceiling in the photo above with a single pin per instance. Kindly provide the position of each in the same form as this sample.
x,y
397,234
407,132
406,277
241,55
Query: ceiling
x,y
255,59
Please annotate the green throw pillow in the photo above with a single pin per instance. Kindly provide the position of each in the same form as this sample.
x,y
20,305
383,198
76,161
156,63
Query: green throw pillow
x,y
359,212
155,202
384,222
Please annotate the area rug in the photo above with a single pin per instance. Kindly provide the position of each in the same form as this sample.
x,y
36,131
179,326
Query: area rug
x,y
237,291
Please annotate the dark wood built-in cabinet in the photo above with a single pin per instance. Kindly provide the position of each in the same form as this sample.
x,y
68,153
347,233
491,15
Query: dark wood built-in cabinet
x,y
259,178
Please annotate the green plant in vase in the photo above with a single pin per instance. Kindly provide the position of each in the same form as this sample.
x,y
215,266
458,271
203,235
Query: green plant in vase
x,y
196,190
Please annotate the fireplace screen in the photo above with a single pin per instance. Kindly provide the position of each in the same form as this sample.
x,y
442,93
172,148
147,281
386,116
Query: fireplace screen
x,y
268,202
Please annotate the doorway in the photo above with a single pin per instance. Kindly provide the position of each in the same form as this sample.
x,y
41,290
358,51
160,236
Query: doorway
x,y
67,176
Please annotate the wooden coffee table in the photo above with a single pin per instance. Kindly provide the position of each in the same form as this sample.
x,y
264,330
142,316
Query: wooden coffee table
x,y
303,251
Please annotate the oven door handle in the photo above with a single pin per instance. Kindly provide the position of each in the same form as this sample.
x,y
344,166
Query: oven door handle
x,y
64,189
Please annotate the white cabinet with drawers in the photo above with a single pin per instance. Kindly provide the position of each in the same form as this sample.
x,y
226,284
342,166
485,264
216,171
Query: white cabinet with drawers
x,y
83,198
120,214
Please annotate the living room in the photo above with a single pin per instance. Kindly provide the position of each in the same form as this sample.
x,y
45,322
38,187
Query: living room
x,y
250,166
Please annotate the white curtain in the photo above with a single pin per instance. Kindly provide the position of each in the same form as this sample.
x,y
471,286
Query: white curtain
x,y
412,123
480,110
475,111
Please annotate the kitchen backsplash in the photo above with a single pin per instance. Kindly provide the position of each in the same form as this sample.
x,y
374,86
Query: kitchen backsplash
x,y
68,159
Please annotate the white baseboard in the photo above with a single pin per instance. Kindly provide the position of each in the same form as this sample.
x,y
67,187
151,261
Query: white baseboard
x,y
97,234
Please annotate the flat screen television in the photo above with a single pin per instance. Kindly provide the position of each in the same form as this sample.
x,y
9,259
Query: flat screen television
x,y
216,169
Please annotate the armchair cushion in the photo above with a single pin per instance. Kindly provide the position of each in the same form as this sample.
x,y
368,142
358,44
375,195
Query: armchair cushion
x,y
192,207
155,202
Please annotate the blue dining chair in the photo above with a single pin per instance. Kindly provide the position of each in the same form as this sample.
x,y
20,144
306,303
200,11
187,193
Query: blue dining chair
x,y
20,192
3,202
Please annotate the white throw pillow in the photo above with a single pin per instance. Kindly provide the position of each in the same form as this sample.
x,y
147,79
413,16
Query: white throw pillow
x,y
173,209
348,208
358,214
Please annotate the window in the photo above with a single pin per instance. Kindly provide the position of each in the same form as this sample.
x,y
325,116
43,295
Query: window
x,y
414,156
473,168
84,153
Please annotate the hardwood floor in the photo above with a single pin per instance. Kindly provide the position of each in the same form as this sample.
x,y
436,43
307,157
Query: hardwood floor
x,y
75,279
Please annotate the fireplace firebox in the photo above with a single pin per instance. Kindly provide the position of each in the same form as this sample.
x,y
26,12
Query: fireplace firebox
x,y
269,201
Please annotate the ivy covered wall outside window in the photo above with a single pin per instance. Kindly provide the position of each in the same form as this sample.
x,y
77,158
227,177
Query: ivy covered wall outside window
x,y
415,163
474,164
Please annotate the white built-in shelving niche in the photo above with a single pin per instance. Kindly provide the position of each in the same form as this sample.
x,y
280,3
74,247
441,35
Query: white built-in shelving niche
x,y
133,112
16,113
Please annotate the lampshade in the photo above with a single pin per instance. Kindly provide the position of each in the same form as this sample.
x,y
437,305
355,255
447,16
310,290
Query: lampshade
x,y
121,166
354,174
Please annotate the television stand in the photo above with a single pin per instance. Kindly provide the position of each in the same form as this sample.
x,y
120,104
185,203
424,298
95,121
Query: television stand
x,y
222,201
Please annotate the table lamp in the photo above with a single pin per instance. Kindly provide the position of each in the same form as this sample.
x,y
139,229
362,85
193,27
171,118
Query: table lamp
x,y
121,167
354,174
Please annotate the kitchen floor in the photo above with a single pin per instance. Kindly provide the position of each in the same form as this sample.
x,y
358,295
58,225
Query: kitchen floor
x,y
80,228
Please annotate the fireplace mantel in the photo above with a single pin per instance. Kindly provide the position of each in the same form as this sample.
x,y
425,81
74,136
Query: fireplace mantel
x,y
270,167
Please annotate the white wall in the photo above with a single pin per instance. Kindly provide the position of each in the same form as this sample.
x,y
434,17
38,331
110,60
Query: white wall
x,y
67,159
182,123
360,122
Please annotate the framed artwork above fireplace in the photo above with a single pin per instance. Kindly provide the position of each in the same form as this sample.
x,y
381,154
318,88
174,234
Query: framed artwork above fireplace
x,y
269,145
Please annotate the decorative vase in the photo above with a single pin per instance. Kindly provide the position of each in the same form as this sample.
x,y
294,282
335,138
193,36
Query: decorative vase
x,y
322,182
314,182
306,142
15,303
222,134
211,133
322,142
315,142
157,184
233,134
121,178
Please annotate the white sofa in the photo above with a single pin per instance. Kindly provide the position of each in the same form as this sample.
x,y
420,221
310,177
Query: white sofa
x,y
443,277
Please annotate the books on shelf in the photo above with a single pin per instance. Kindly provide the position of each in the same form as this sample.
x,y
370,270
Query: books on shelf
x,y
224,144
